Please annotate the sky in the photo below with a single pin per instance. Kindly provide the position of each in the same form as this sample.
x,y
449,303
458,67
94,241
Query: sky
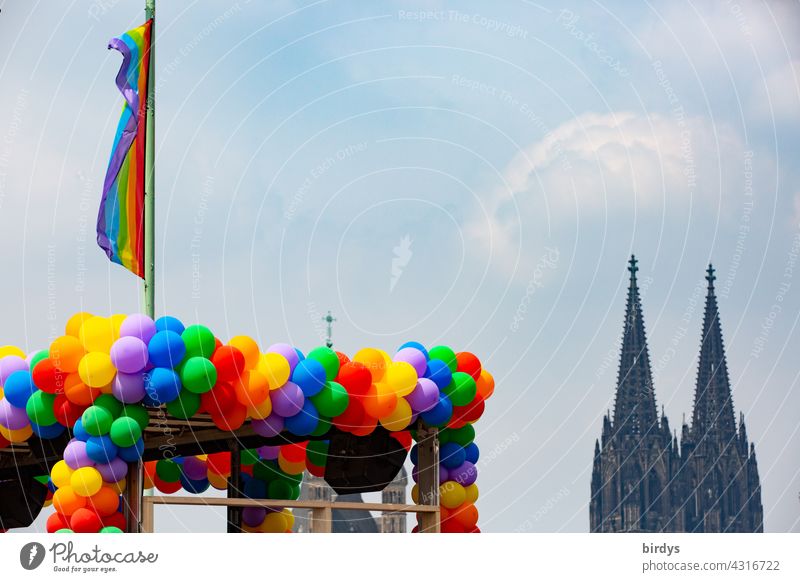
x,y
457,173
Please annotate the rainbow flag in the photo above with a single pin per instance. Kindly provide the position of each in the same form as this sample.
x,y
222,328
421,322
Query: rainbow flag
x,y
120,221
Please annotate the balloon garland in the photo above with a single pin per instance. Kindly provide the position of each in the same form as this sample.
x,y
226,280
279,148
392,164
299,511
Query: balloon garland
x,y
101,376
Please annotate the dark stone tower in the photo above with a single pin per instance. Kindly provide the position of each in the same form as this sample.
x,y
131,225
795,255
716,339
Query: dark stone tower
x,y
719,476
633,487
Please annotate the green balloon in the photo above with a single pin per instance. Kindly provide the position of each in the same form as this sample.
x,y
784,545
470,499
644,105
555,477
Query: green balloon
x,y
110,403
295,491
38,357
64,530
110,529
267,470
444,353
185,406
96,420
198,374
323,426
445,436
332,400
317,452
280,489
125,431
138,413
199,341
168,471
40,408
249,457
463,436
462,389
329,360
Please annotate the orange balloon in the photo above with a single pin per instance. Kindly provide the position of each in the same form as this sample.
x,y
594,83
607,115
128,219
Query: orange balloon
x,y
260,411
76,321
374,361
252,388
249,349
218,482
66,353
66,501
291,468
380,401
77,392
485,384
466,515
105,502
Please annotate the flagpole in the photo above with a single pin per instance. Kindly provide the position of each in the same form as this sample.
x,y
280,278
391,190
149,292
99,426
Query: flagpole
x,y
149,171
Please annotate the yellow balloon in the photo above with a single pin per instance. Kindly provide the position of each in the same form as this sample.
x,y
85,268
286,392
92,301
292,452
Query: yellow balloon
x,y
11,351
291,468
61,473
274,523
75,322
472,493
451,494
86,481
66,353
16,436
218,482
287,513
260,411
96,370
415,494
401,377
373,359
119,486
97,334
249,349
400,417
116,323
276,368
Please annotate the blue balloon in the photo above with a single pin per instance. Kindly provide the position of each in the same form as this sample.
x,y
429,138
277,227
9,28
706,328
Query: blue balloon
x,y
440,414
416,345
255,489
162,384
166,349
310,376
300,354
472,453
194,485
50,431
304,422
101,449
169,323
452,455
79,432
133,453
414,455
19,387
147,401
439,372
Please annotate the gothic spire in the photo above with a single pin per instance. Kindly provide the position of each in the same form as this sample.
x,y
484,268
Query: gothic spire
x,y
635,405
713,419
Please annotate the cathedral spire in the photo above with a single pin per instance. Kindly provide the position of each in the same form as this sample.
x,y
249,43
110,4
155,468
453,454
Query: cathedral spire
x,y
635,405
713,419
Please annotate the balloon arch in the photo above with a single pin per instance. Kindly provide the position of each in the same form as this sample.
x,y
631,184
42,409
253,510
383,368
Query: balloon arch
x,y
98,382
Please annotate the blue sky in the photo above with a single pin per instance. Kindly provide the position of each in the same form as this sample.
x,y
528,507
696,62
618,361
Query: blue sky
x,y
505,159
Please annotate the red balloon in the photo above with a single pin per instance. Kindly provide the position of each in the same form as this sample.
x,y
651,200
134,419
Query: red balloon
x,y
3,442
366,428
451,526
469,363
232,419
219,463
316,471
116,519
56,521
475,529
352,417
466,414
67,412
295,452
219,400
343,359
48,378
404,438
247,469
229,362
355,377
85,521
165,487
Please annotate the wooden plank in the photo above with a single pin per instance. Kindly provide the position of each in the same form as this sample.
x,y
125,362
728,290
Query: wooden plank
x,y
133,496
148,515
428,471
234,512
322,519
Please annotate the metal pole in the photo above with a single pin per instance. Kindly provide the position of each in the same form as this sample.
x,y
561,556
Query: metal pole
x,y
135,478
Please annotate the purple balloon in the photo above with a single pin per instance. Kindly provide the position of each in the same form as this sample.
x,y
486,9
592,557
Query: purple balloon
x,y
114,471
287,352
268,427
425,394
194,468
128,388
129,355
139,326
253,516
287,400
11,417
268,452
9,365
465,474
75,455
414,357
444,474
